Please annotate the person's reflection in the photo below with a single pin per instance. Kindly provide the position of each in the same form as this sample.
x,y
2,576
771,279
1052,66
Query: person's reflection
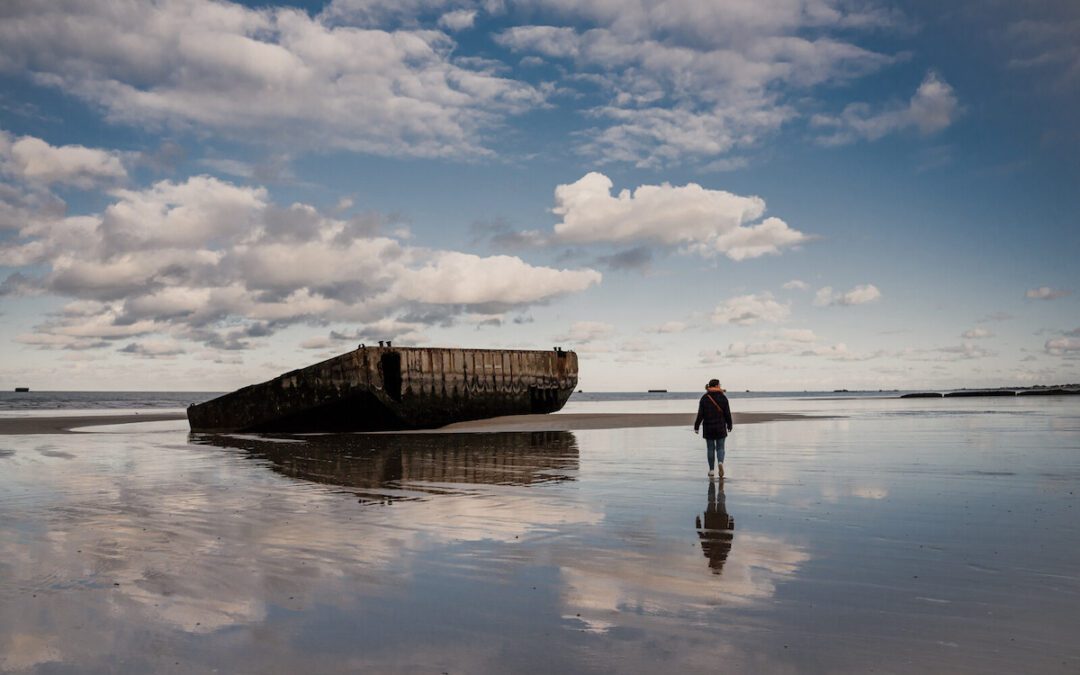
x,y
715,528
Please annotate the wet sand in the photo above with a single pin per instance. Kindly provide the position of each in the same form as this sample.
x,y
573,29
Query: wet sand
x,y
561,422
892,537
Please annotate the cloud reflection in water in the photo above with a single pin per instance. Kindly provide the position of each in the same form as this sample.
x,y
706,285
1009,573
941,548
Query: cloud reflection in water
x,y
134,539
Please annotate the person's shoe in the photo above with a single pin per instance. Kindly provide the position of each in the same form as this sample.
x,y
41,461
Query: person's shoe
x,y
719,470
711,473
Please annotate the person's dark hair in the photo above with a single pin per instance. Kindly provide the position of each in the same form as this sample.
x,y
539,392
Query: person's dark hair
x,y
713,383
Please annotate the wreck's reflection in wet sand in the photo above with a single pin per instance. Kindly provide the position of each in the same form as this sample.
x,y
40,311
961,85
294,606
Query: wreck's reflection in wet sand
x,y
385,467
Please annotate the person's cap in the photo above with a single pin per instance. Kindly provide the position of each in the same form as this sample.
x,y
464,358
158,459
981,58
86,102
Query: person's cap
x,y
714,382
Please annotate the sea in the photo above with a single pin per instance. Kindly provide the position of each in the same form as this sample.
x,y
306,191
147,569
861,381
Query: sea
x,y
876,534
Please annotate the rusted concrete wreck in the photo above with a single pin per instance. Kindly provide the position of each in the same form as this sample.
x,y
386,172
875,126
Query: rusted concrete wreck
x,y
396,388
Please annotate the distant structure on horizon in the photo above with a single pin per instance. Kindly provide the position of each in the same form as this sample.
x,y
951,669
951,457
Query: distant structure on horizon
x,y
22,390
1038,390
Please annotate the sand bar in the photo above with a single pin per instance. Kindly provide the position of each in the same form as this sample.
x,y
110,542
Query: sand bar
x,y
582,421
67,424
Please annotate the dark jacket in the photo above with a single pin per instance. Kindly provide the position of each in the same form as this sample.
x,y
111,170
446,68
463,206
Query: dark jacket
x,y
716,418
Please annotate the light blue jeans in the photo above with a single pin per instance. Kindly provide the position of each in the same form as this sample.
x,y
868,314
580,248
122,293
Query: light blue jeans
x,y
715,446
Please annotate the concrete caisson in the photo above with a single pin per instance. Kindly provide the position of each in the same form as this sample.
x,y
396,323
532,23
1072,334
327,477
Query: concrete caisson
x,y
384,388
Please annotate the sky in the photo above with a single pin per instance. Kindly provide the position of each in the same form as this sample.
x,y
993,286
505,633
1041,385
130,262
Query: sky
x,y
782,194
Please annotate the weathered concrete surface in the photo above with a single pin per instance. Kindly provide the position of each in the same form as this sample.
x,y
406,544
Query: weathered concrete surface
x,y
382,388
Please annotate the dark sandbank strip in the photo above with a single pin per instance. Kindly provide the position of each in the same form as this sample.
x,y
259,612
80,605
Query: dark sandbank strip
x,y
583,421
66,424
565,422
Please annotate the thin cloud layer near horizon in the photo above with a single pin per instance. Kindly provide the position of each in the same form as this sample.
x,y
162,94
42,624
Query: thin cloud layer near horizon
x,y
800,194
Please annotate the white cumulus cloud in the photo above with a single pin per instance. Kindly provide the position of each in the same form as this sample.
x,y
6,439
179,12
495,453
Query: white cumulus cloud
x,y
932,108
459,19
976,333
1047,293
745,310
23,206
35,161
207,261
586,331
1063,346
462,278
259,73
690,79
738,350
859,295
707,222
963,351
154,349
841,352
638,345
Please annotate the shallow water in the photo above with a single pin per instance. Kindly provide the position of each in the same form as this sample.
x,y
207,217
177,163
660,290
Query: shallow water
x,y
937,535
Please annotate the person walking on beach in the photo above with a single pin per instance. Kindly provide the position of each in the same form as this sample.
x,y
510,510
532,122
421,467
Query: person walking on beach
x,y
714,413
